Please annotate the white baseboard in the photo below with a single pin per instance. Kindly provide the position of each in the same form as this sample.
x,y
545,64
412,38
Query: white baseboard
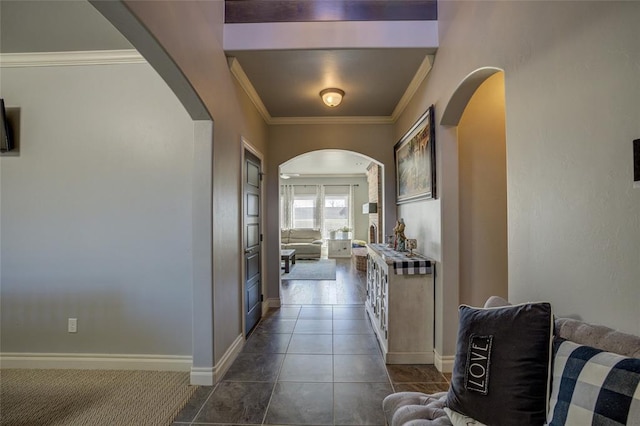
x,y
202,376
95,361
408,357
444,364
207,376
273,302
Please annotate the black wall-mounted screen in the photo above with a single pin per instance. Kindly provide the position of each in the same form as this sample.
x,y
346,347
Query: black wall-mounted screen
x,y
6,139
636,160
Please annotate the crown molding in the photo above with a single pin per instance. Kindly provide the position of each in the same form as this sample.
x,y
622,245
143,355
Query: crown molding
x,y
417,80
330,120
246,85
243,80
52,59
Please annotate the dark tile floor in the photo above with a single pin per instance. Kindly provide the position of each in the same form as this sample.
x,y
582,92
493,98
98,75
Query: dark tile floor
x,y
310,364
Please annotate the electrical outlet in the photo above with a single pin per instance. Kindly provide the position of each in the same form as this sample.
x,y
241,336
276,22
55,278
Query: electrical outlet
x,y
72,326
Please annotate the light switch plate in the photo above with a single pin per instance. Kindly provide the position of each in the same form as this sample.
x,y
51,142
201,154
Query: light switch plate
x,y
636,163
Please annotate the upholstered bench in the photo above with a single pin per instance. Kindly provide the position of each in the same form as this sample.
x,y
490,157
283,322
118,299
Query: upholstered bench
x,y
418,409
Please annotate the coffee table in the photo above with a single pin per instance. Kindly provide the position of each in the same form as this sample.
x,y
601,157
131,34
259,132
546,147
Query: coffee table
x,y
289,257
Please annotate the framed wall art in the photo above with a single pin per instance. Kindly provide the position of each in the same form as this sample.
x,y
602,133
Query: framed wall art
x,y
415,158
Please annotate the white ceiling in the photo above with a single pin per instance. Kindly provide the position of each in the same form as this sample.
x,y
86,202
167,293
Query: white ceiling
x,y
286,82
326,162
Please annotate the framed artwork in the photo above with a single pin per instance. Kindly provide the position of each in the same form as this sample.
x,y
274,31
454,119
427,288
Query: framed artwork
x,y
415,158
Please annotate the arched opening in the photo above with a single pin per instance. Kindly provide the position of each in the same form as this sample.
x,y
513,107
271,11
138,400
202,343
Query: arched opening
x,y
477,108
333,191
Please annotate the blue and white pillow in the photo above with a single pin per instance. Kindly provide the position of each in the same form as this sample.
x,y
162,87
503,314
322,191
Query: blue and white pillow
x,y
593,387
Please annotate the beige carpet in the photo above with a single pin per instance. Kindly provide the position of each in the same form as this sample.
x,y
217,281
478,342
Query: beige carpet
x,y
91,397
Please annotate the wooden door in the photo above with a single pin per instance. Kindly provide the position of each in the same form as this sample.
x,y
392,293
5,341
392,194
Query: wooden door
x,y
252,241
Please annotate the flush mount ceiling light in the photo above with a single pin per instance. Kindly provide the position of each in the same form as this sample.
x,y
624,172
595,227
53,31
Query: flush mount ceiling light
x,y
332,97
288,175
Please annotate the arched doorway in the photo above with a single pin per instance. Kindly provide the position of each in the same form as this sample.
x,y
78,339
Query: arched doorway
x,y
477,108
336,178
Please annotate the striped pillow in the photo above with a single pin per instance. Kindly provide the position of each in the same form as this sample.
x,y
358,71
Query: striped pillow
x,y
591,386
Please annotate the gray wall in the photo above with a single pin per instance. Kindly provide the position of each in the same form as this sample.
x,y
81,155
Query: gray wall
x,y
96,213
191,34
571,94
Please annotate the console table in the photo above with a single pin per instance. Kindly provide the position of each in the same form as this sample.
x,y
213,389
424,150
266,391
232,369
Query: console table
x,y
400,304
339,248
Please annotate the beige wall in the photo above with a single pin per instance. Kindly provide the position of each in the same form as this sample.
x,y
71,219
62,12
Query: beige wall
x,y
289,141
191,33
483,195
571,113
571,90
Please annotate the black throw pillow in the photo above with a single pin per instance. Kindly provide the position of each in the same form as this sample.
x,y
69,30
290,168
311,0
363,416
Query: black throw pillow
x,y
502,363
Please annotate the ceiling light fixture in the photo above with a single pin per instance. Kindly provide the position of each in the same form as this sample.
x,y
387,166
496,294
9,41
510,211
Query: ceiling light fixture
x,y
288,175
332,97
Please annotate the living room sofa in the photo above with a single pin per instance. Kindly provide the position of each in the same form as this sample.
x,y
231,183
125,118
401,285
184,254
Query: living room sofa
x,y
306,242
420,409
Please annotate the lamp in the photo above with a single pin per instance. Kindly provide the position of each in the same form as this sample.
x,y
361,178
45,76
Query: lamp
x,y
332,97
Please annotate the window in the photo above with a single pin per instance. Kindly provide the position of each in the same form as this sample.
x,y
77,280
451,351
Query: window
x,y
303,211
336,213
324,207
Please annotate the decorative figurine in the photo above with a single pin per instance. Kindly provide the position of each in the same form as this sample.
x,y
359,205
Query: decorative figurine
x,y
398,230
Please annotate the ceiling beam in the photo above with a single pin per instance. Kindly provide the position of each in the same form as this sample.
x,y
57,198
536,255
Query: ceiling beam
x,y
253,11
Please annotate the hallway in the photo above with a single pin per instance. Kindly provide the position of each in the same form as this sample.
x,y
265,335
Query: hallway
x,y
314,361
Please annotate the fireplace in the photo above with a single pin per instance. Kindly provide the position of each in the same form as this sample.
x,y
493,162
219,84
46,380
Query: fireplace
x,y
373,234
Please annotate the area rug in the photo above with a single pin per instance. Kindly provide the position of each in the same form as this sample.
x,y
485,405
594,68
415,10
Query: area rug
x,y
92,397
321,269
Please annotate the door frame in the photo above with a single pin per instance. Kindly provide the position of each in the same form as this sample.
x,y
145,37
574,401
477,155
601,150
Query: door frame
x,y
246,145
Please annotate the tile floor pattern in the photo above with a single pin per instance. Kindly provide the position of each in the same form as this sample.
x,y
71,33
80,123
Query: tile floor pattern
x,y
308,365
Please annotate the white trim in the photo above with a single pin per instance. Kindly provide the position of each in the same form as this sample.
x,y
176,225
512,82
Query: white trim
x,y
332,120
273,302
227,359
420,75
444,363
52,59
208,376
409,357
246,85
201,376
95,361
